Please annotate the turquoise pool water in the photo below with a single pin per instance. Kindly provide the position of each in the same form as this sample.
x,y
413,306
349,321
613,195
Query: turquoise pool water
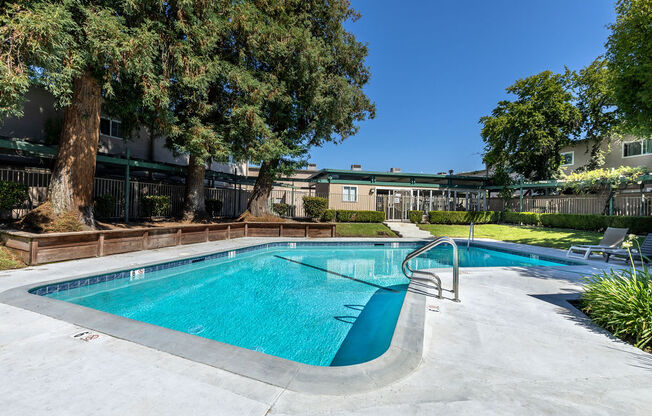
x,y
322,305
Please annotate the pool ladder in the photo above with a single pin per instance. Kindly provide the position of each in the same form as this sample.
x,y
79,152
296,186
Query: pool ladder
x,y
471,236
432,276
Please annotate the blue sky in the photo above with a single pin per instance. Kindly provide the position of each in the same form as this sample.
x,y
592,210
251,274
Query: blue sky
x,y
438,66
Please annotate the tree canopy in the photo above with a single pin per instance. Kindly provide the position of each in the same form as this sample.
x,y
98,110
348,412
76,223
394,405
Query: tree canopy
x,y
594,97
525,135
629,52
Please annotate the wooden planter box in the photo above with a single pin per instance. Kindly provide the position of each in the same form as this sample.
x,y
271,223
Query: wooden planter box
x,y
35,249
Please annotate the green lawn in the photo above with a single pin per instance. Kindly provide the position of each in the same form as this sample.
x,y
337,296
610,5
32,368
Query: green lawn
x,y
8,261
363,230
537,236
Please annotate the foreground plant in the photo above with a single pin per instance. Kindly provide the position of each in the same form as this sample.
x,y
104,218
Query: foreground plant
x,y
621,302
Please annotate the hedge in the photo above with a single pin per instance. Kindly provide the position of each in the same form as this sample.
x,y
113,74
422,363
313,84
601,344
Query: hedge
x,y
587,222
415,216
359,216
314,206
329,215
463,217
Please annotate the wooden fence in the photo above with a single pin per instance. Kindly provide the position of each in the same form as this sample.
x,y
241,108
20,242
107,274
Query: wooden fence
x,y
35,249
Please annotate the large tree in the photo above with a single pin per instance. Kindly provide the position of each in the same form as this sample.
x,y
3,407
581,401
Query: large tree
x,y
629,51
594,96
296,81
79,51
524,136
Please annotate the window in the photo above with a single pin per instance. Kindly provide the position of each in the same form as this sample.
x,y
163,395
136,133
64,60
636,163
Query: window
x,y
110,127
567,158
349,194
637,148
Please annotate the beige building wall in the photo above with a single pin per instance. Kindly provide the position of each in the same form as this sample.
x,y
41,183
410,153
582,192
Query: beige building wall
x,y
366,198
613,157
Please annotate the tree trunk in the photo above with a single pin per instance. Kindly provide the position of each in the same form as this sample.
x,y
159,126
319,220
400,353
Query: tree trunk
x,y
195,206
259,200
71,185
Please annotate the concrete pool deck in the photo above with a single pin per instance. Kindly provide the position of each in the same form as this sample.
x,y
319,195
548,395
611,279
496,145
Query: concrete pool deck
x,y
512,346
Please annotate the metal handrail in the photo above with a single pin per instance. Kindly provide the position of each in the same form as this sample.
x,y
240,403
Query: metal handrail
x,y
436,279
471,236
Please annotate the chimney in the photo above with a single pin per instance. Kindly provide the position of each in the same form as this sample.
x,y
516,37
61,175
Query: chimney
x,y
395,170
356,167
311,166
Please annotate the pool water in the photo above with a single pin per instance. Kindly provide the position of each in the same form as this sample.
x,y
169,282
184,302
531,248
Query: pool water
x,y
321,305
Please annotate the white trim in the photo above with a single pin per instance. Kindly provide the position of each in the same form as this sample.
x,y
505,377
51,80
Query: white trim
x,y
572,152
622,149
111,121
356,193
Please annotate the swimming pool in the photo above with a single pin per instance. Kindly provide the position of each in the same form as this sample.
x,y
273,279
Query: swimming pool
x,y
323,304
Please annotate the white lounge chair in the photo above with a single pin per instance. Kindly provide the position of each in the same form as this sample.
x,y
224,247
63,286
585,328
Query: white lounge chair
x,y
612,239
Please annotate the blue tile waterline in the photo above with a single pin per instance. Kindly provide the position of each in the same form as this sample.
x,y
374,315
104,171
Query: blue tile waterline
x,y
255,298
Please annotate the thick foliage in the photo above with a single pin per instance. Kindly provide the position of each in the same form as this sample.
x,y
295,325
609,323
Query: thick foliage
x,y
525,135
104,206
463,217
359,216
415,216
12,194
596,180
156,205
315,206
629,51
588,222
282,209
329,215
621,302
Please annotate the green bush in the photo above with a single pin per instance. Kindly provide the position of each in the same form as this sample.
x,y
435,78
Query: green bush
x,y
314,206
636,225
525,218
213,207
463,217
619,301
586,222
343,215
104,206
329,215
415,216
156,205
282,209
12,194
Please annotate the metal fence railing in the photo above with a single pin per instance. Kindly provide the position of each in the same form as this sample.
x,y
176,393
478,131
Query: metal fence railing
x,y
395,205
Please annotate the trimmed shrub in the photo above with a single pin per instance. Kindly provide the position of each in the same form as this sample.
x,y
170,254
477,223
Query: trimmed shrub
x,y
525,218
329,215
213,207
577,221
156,205
104,206
463,217
359,216
619,301
315,206
636,225
281,209
585,222
415,216
12,194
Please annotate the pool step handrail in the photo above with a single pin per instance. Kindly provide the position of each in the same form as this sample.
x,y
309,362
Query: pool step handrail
x,y
471,236
456,268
